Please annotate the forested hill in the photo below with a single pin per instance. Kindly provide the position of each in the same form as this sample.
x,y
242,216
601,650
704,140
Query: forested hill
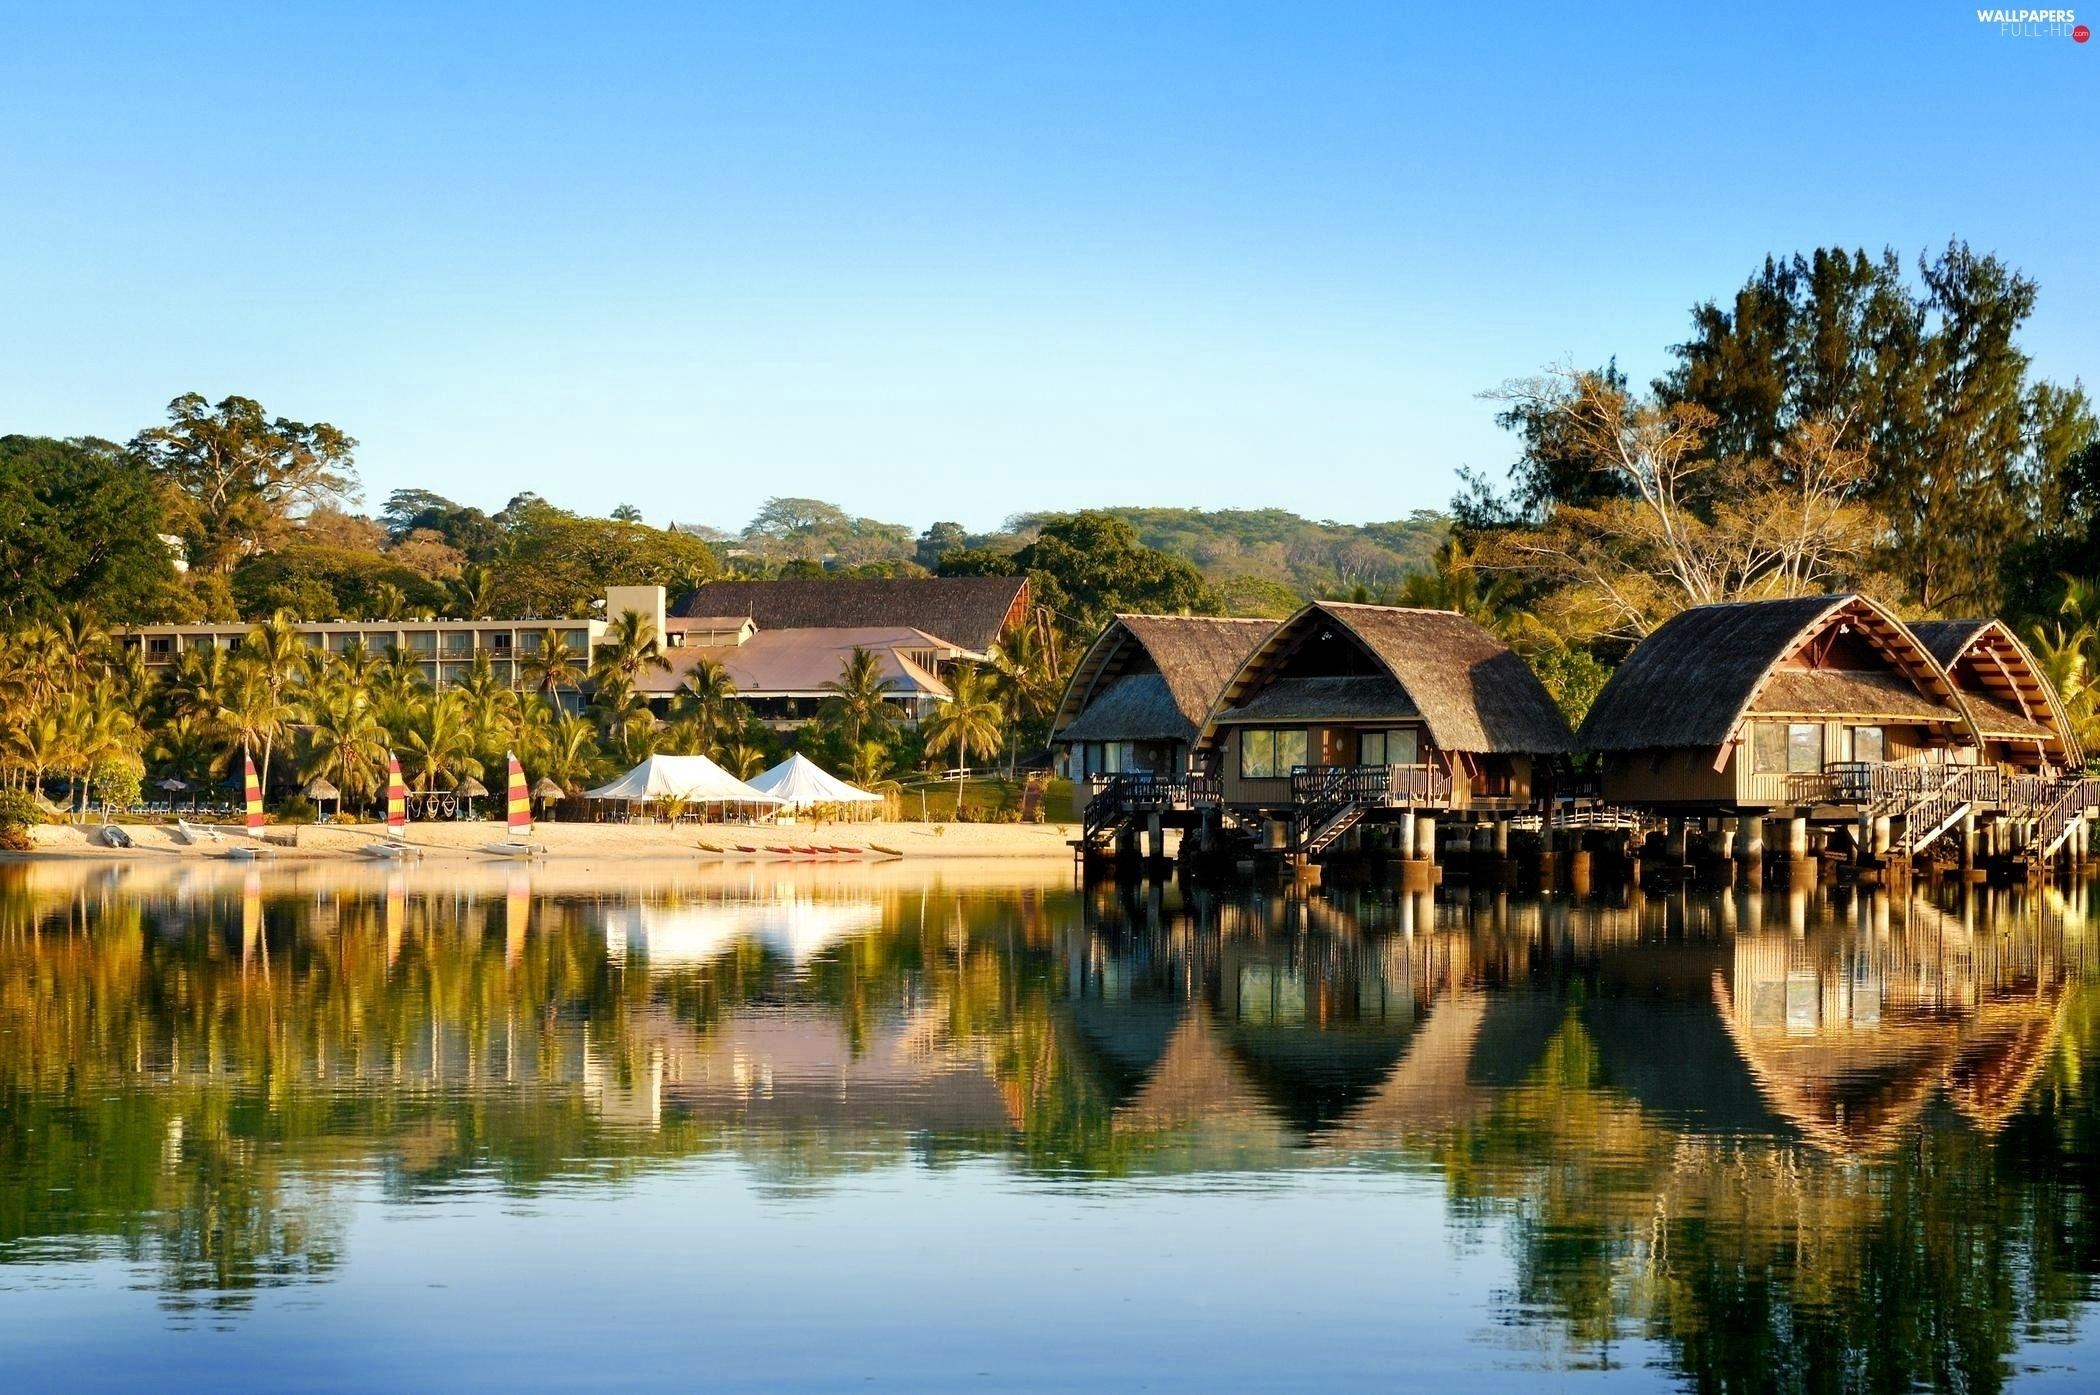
x,y
1257,554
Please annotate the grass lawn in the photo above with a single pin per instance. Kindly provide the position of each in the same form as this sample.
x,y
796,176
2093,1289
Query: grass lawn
x,y
983,796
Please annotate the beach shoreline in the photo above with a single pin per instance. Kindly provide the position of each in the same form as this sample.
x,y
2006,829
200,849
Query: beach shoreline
x,y
598,841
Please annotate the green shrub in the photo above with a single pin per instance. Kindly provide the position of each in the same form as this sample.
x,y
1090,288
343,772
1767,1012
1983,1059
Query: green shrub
x,y
18,814
118,784
297,809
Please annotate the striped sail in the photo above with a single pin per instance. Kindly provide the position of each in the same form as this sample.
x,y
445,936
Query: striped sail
x,y
396,794
253,791
520,798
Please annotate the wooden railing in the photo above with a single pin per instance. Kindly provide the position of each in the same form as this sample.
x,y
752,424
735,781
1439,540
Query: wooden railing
x,y
1370,784
1120,797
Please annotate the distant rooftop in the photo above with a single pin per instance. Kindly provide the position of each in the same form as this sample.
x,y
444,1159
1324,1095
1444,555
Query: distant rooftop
x,y
969,611
798,663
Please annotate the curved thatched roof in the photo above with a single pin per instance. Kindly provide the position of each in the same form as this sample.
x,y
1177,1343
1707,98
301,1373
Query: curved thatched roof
x,y
2007,693
1153,677
1693,681
1846,1097
2004,1055
1471,690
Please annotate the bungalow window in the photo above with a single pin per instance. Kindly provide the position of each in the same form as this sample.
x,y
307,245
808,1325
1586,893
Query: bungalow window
x,y
1792,749
1389,747
1804,748
1869,744
1267,754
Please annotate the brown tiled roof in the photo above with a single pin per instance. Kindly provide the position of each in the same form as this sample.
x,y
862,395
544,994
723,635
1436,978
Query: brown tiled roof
x,y
801,662
970,611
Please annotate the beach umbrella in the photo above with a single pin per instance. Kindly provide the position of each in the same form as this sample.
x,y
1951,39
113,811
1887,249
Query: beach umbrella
x,y
548,792
470,789
173,785
321,792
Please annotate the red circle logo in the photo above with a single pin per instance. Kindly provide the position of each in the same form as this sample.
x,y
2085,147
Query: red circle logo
x,y
2081,34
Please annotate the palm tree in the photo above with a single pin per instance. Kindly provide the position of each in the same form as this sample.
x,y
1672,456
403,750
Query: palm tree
x,y
869,768
42,743
706,699
184,746
79,644
2065,655
475,591
200,680
968,722
1455,581
552,666
99,727
282,656
859,697
387,602
742,759
440,744
1024,679
249,712
623,716
344,741
568,752
398,678
630,649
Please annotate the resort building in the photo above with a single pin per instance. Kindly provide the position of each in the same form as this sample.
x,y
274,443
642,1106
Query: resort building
x,y
781,641
969,612
781,674
1347,714
1775,706
1141,692
446,649
2016,710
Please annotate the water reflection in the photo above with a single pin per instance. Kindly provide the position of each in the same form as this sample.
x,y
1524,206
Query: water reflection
x,y
1779,1135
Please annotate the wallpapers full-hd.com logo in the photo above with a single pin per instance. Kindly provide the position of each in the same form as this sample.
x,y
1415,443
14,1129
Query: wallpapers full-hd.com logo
x,y
2035,24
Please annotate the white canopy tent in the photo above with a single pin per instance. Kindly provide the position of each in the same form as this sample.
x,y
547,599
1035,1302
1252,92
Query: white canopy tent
x,y
797,925
801,783
686,779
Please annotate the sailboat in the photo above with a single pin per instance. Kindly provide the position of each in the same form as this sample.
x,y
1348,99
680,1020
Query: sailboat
x,y
395,846
519,816
252,791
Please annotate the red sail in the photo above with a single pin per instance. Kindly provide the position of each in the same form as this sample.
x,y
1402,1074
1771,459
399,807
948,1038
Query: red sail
x,y
520,799
253,792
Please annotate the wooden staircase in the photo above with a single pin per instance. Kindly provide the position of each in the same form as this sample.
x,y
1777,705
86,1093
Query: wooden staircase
x,y
1329,800
2056,808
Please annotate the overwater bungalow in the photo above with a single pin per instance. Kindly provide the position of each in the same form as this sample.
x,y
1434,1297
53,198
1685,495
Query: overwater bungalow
x,y
1141,691
1353,713
1797,708
2016,709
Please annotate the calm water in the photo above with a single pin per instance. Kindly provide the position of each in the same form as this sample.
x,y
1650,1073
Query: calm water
x,y
356,1129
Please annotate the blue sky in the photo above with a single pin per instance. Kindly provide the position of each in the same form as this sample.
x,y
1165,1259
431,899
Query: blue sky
x,y
957,261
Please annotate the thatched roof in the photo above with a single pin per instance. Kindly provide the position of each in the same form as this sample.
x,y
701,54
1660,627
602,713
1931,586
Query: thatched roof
x,y
2006,690
1368,697
1469,688
1693,681
1805,692
1190,657
1135,707
969,611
